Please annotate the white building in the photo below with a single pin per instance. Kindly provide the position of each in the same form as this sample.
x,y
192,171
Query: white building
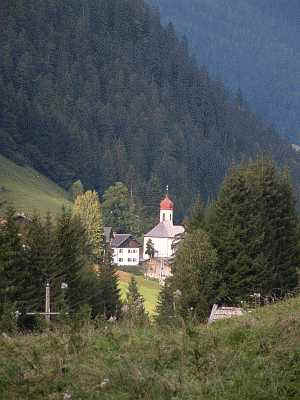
x,y
126,249
163,234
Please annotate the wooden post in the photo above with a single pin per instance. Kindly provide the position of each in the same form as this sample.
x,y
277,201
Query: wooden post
x,y
47,303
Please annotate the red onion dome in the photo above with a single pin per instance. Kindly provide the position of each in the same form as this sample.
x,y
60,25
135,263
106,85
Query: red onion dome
x,y
166,204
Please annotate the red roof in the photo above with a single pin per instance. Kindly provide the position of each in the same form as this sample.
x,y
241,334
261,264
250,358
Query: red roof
x,y
166,204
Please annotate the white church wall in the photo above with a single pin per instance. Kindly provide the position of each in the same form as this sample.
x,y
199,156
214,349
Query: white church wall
x,y
162,246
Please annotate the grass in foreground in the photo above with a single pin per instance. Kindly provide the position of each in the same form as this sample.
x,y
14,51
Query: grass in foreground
x,y
149,289
28,191
256,357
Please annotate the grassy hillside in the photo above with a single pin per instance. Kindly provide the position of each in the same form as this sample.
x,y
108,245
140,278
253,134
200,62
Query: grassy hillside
x,y
148,288
256,357
27,190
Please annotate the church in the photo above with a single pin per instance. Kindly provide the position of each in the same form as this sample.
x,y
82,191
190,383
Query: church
x,y
162,236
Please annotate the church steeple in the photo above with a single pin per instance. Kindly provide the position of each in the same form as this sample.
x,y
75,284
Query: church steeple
x,y
166,209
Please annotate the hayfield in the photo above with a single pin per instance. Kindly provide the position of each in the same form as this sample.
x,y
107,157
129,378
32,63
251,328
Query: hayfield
x,y
253,357
149,289
29,191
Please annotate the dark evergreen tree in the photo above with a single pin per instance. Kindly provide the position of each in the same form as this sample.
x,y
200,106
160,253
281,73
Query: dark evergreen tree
x,y
134,304
150,250
108,301
255,232
195,275
13,263
165,312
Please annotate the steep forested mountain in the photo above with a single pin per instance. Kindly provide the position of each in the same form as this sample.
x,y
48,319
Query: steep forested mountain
x,y
252,44
99,90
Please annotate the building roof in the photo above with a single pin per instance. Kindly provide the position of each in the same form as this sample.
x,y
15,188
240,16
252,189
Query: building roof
x,y
166,204
165,229
119,239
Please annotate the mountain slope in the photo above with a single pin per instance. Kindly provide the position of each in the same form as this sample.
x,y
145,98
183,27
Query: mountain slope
x,y
251,44
28,191
100,91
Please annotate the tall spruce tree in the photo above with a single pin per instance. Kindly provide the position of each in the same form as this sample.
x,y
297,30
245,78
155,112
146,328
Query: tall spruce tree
x,y
135,303
108,301
254,230
195,275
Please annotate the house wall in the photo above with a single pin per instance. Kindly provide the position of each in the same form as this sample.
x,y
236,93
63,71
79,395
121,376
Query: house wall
x,y
162,246
126,256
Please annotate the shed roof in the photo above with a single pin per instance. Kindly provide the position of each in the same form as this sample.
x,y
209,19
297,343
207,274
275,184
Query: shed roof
x,y
224,312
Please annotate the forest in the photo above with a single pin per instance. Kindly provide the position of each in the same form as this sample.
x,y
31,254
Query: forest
x,y
100,91
251,45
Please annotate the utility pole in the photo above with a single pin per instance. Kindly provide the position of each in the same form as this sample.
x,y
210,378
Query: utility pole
x,y
47,303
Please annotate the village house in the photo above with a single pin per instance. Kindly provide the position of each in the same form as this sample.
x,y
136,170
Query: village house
x,y
163,237
126,249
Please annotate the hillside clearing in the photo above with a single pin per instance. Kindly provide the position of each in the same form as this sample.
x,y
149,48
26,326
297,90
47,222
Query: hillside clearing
x,y
149,289
29,191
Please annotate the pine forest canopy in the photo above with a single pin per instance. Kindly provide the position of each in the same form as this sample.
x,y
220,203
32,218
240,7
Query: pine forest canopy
x,y
99,91
251,45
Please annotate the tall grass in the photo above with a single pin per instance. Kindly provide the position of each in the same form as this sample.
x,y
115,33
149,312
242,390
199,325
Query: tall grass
x,y
253,357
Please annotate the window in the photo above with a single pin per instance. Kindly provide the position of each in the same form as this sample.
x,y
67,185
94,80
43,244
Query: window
x,y
120,250
134,259
129,251
170,217
120,259
164,216
129,259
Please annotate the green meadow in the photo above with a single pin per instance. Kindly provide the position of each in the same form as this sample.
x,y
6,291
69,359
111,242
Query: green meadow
x,y
29,191
253,357
149,289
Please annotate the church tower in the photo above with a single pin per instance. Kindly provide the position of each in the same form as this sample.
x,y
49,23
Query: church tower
x,y
166,210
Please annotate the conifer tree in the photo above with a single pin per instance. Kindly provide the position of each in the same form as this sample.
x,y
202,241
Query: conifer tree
x,y
195,275
255,232
135,303
108,302
150,248
196,219
12,263
165,304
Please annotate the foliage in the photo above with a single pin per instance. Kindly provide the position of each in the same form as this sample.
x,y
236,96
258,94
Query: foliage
x,y
109,301
149,288
255,231
116,208
165,312
195,275
54,251
227,360
150,248
76,189
196,219
223,37
134,304
118,99
87,208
